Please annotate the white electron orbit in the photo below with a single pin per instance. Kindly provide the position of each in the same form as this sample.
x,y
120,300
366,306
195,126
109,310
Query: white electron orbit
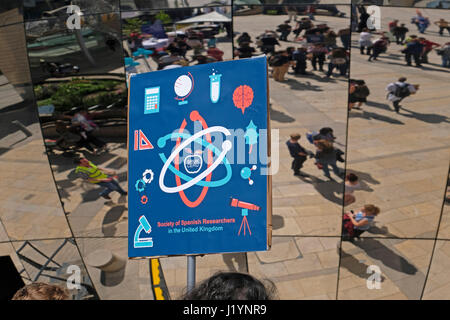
x,y
226,146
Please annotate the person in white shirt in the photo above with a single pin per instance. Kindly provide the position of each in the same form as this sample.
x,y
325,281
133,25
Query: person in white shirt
x,y
365,41
399,90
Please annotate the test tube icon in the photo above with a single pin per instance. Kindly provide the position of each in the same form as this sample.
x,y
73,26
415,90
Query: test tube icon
x,y
214,81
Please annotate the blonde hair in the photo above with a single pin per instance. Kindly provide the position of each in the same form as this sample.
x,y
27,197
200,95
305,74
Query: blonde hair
x,y
324,144
371,209
41,291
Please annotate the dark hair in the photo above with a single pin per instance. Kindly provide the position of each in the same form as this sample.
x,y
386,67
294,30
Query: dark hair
x,y
352,177
402,79
231,286
326,130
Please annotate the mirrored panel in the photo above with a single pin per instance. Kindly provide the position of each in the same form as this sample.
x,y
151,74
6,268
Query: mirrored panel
x,y
10,12
57,262
112,273
302,268
165,39
438,284
30,206
81,96
398,142
444,225
383,269
41,9
131,5
308,66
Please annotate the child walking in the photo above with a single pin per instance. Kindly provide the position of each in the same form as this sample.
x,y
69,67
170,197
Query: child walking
x,y
298,153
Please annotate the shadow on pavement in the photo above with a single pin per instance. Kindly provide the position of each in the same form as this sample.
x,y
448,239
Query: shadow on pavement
x,y
425,117
375,116
327,189
280,116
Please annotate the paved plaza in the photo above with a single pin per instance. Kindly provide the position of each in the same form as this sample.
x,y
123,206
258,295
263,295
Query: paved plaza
x,y
401,160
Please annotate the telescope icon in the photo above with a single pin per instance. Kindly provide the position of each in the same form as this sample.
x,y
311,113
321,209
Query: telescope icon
x,y
245,206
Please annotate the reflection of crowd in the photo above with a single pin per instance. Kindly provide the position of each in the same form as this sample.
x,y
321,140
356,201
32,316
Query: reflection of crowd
x,y
317,44
79,134
184,49
413,47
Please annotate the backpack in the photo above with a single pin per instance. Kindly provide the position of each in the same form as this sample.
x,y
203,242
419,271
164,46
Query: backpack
x,y
401,91
361,92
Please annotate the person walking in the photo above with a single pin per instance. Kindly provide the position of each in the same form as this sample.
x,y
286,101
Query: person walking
x,y
82,119
326,156
428,46
392,25
319,52
285,30
351,184
365,41
303,24
100,176
299,56
280,63
443,25
378,47
358,94
346,37
355,224
444,52
399,33
413,49
399,90
298,153
338,59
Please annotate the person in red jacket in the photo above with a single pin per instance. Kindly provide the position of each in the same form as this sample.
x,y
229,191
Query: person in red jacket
x,y
215,53
427,47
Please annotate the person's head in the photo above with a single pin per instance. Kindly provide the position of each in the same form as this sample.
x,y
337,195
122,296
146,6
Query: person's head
x,y
402,25
295,136
395,20
421,39
326,130
365,30
371,210
402,79
41,291
360,82
81,162
352,178
231,286
287,21
413,36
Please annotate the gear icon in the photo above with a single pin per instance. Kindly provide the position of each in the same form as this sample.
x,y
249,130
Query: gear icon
x,y
145,175
140,189
144,199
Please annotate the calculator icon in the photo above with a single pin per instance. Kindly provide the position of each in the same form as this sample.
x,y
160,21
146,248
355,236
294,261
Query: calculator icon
x,y
151,100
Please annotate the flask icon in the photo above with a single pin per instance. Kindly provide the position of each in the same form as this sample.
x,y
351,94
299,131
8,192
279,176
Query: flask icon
x,y
214,85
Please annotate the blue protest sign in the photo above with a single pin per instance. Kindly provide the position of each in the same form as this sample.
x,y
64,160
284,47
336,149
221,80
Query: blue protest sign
x,y
198,153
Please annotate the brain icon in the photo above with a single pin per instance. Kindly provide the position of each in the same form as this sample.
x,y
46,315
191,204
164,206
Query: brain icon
x,y
243,97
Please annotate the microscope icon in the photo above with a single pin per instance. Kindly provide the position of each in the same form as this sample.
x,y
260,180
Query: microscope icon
x,y
145,242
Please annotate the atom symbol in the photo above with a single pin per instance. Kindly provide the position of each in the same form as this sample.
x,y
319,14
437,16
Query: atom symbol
x,y
211,165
